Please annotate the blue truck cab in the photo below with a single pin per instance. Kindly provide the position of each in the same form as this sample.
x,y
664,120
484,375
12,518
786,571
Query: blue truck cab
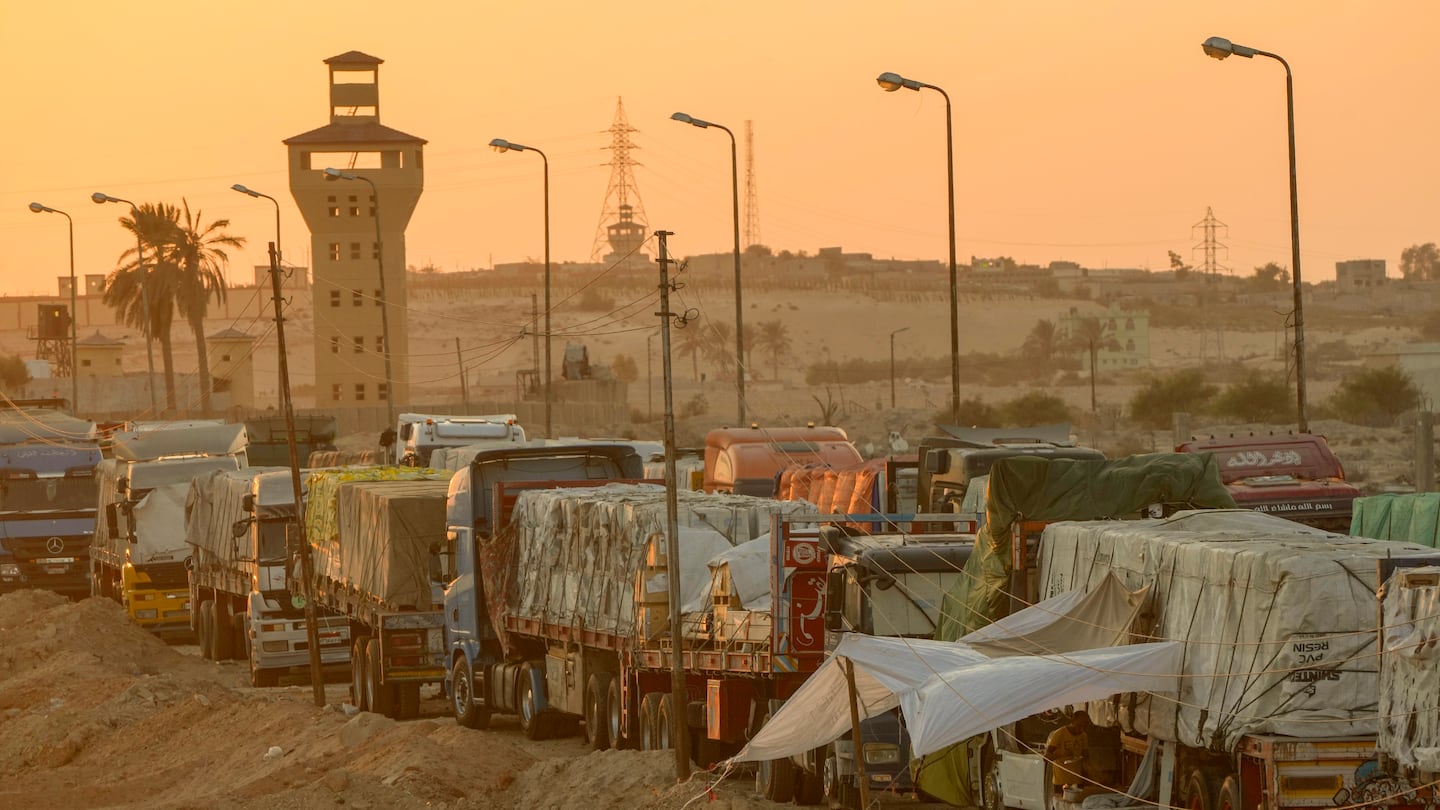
x,y
48,504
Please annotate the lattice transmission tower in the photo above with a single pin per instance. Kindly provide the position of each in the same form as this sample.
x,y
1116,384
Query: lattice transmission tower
x,y
752,193
622,216
1210,250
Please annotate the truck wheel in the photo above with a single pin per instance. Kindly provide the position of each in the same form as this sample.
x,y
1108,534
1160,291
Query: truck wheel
x,y
531,720
264,678
597,715
1199,791
222,638
775,778
622,733
809,787
357,673
207,630
462,697
649,707
380,695
664,711
990,797
240,630
1228,797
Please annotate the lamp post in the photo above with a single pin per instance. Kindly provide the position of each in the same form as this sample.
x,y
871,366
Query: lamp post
x,y
735,212
892,363
253,193
37,208
890,82
1220,48
336,174
502,145
100,198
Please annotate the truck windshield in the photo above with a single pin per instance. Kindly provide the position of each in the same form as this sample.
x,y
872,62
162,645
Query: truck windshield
x,y
272,540
41,494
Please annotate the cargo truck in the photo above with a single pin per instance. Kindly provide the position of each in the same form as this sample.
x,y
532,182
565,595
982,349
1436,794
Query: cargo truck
x,y
244,576
749,461
48,500
1408,742
1292,475
420,434
375,545
138,555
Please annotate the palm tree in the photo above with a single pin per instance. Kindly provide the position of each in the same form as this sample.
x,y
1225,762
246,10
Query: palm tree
x,y
1091,334
133,286
1043,342
689,341
719,347
773,338
199,257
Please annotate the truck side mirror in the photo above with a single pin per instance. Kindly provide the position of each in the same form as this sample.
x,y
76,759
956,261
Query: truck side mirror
x,y
835,600
240,527
247,503
112,519
937,462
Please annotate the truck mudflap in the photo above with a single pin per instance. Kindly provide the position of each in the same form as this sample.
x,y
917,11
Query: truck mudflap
x,y
413,646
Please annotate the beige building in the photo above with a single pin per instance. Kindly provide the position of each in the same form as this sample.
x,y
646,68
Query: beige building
x,y
345,217
1359,274
99,356
232,367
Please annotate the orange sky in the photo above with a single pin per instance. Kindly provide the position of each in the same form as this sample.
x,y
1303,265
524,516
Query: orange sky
x,y
1096,132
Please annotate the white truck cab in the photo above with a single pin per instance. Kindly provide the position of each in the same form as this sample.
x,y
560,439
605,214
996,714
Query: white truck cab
x,y
419,435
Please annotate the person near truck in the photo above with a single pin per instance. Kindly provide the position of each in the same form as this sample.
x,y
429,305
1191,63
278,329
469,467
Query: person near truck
x,y
1065,749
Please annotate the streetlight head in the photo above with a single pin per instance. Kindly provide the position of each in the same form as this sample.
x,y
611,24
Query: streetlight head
x,y
37,208
501,145
1220,47
890,82
101,198
336,174
681,117
244,190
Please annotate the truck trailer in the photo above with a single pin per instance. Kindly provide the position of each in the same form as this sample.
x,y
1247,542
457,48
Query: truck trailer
x,y
375,538
139,555
245,578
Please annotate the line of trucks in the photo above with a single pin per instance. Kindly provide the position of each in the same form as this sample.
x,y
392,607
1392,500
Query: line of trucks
x,y
534,582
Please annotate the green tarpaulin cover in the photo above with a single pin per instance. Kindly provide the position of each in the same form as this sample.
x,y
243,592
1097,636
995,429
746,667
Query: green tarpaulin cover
x,y
1411,517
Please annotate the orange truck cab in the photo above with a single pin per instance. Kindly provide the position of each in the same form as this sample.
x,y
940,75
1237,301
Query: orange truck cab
x,y
747,461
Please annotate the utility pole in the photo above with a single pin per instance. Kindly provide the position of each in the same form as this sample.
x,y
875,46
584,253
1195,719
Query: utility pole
x,y
678,700
307,565
464,384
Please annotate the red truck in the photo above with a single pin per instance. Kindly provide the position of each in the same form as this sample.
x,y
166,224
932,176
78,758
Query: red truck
x,y
1291,475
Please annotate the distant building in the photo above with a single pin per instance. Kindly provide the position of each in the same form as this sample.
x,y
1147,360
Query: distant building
x,y
294,278
1359,274
1130,329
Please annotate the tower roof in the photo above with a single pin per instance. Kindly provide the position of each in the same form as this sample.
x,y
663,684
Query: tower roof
x,y
98,339
231,333
371,132
354,58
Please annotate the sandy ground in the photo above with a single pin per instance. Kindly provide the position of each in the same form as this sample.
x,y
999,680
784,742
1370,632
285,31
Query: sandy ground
x,y
97,713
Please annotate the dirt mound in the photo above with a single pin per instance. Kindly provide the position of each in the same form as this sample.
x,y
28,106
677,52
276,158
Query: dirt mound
x,y
627,779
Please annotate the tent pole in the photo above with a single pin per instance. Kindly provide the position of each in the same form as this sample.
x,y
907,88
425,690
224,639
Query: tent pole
x,y
856,736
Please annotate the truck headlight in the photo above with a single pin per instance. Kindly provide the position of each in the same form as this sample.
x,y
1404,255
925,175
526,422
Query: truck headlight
x,y
9,570
148,613
435,641
881,754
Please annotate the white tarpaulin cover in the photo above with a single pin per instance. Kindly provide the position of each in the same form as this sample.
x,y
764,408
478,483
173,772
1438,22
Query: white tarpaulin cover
x,y
948,691
214,503
160,526
1278,620
577,551
1074,620
1410,674
748,565
210,440
387,531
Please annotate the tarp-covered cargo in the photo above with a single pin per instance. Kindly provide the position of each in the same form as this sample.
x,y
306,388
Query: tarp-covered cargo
x,y
159,516
215,502
321,526
1410,669
1039,489
1278,621
572,556
1412,517
389,532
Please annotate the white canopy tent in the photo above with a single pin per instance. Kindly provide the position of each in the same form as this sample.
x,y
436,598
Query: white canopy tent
x,y
949,691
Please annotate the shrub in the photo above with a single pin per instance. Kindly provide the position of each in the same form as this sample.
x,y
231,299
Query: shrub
x,y
1375,396
1184,390
1256,397
1035,408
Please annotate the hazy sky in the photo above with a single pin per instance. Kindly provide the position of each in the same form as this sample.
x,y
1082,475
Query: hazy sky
x,y
1091,131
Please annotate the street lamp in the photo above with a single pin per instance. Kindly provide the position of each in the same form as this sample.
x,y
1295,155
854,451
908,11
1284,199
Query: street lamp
x,y
892,363
502,145
1220,48
735,212
37,208
336,174
253,193
100,198
890,82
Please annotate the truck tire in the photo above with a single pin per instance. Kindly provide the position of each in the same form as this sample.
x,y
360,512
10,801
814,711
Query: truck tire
x,y
1228,797
664,730
357,673
468,712
407,701
527,703
379,694
620,727
775,779
597,714
1199,791
649,707
206,636
809,787
240,629
222,639
263,678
